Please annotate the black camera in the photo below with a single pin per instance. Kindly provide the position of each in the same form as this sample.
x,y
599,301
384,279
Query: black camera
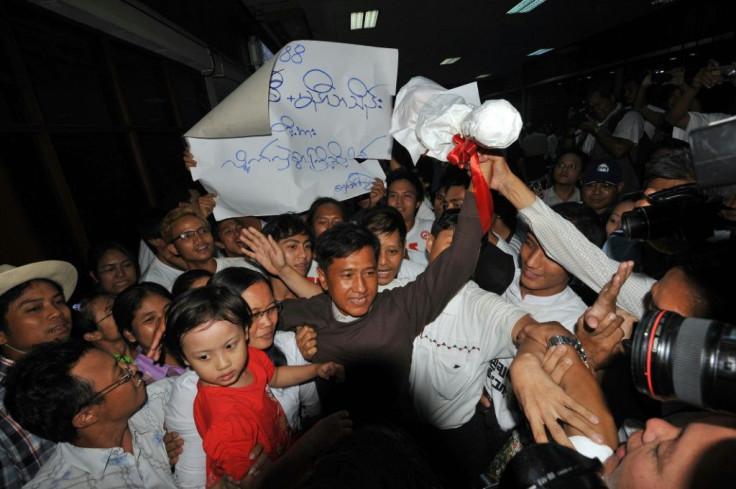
x,y
580,113
687,359
661,75
682,212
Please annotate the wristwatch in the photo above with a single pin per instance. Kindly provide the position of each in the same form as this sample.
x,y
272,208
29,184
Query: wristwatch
x,y
571,341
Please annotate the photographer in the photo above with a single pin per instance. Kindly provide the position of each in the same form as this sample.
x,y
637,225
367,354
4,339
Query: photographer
x,y
612,131
679,114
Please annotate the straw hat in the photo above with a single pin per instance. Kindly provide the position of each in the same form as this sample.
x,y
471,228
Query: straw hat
x,y
61,272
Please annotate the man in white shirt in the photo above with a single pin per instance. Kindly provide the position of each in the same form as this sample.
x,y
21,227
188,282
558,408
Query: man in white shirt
x,y
405,194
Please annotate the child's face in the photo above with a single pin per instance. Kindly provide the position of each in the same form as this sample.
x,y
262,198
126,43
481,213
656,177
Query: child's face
x,y
218,352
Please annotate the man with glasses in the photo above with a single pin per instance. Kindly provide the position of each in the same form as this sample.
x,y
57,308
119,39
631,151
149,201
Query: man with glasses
x,y
94,406
189,237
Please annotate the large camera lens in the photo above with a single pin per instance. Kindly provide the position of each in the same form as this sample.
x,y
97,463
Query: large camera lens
x,y
687,359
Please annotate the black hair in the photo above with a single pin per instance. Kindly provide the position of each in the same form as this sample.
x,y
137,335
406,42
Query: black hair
x,y
319,202
285,226
13,294
448,220
603,87
373,456
95,253
584,219
404,174
148,224
202,306
709,269
216,226
384,220
184,281
83,316
43,396
676,164
553,466
238,280
584,158
342,240
453,177
129,301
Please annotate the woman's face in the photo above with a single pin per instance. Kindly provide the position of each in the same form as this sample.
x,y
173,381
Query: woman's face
x,y
148,319
265,315
614,220
114,272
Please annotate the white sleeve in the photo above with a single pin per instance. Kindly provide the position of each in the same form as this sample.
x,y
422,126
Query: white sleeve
x,y
631,127
567,246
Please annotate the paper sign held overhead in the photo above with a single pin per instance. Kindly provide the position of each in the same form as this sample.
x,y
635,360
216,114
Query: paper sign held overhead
x,y
327,104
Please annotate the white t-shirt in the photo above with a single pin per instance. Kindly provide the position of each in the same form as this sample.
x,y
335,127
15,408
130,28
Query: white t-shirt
x,y
416,240
697,120
160,273
426,211
631,127
450,357
297,401
550,197
565,307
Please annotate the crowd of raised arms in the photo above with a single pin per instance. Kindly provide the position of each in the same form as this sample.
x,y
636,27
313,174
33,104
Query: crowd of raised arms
x,y
390,340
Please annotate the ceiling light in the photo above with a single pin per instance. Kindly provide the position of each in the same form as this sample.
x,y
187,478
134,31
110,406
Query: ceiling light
x,y
356,21
484,75
673,58
449,61
371,17
525,6
363,20
540,51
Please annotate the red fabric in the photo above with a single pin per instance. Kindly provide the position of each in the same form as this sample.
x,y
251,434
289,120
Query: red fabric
x,y
231,420
466,150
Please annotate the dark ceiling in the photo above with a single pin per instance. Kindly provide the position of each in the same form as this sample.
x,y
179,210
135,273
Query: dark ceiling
x,y
588,37
428,31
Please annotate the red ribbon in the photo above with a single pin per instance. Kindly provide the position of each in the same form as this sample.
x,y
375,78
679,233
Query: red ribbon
x,y
466,150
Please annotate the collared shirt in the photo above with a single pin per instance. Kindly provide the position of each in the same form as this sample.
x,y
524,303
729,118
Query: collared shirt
x,y
113,468
21,453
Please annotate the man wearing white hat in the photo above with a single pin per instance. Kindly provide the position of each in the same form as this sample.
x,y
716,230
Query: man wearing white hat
x,y
33,310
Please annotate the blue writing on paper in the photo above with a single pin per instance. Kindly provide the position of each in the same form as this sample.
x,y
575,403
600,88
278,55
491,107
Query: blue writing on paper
x,y
355,180
320,91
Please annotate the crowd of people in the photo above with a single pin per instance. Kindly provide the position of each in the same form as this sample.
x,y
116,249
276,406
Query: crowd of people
x,y
392,340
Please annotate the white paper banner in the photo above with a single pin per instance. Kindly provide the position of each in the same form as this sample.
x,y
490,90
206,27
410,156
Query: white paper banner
x,y
328,103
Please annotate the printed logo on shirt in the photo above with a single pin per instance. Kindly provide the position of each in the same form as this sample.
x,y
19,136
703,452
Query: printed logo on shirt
x,y
424,235
414,246
498,373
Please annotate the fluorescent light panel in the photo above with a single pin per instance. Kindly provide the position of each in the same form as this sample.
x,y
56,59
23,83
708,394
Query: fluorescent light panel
x,y
371,17
449,61
484,75
525,6
356,21
540,51
363,20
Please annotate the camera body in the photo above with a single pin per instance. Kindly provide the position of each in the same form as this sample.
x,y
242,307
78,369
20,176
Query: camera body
x,y
580,113
687,359
682,213
661,75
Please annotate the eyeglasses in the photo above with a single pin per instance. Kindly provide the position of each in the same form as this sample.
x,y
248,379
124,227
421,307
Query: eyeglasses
x,y
126,377
276,307
188,235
